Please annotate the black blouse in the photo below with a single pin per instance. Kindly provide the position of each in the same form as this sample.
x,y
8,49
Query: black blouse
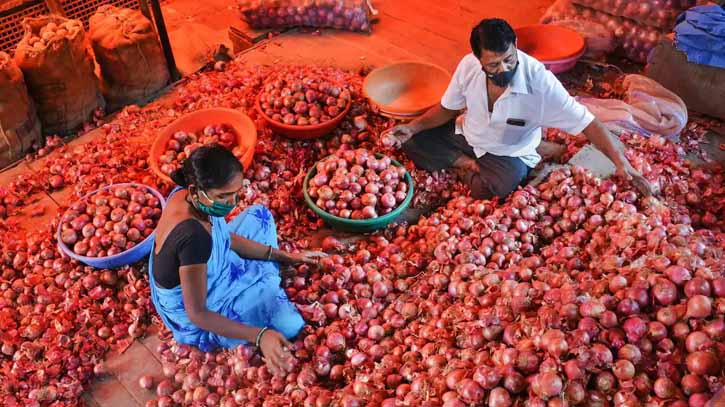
x,y
188,243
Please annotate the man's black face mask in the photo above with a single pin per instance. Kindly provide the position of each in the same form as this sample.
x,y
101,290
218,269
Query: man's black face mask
x,y
502,79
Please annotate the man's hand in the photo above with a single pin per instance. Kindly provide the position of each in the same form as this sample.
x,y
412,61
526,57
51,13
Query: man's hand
x,y
399,134
629,173
598,134
276,351
306,257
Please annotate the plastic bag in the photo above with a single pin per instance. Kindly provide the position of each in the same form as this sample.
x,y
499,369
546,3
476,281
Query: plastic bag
x,y
666,112
129,55
657,13
647,108
19,124
635,40
59,72
350,15
599,40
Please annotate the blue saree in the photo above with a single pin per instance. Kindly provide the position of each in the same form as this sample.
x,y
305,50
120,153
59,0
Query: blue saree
x,y
243,290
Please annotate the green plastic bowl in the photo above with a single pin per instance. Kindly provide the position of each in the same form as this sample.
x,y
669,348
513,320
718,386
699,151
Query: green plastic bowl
x,y
359,225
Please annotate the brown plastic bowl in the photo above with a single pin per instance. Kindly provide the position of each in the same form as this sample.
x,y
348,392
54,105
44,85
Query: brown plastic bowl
x,y
550,43
195,122
406,88
302,132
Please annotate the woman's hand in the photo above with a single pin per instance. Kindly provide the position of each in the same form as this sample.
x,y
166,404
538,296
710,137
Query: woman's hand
x,y
306,257
276,351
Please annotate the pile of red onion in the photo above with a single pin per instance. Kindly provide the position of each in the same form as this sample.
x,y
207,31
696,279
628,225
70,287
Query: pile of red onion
x,y
576,292
355,184
110,221
182,143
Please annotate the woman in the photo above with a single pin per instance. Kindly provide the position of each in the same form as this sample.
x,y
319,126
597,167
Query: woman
x,y
217,284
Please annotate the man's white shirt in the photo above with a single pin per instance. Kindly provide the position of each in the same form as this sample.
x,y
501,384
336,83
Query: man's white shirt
x,y
535,96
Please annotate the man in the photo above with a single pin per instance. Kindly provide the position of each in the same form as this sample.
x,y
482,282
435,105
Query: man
x,y
508,96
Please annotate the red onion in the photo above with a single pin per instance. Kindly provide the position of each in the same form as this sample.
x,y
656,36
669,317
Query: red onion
x,y
164,388
470,391
692,384
665,292
547,385
499,397
664,388
697,286
703,363
623,369
635,328
146,382
699,306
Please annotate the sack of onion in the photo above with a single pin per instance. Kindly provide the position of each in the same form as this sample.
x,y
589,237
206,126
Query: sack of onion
x,y
660,14
351,15
18,121
59,71
632,38
125,45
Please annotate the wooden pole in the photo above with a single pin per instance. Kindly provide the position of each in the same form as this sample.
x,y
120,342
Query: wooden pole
x,y
164,38
55,7
144,6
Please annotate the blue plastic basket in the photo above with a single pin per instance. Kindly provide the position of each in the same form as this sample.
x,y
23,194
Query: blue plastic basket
x,y
131,255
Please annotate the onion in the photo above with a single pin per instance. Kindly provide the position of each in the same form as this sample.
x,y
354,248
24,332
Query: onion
x,y
692,384
164,388
703,363
335,341
697,286
635,328
547,385
146,382
664,388
623,369
499,397
665,292
699,306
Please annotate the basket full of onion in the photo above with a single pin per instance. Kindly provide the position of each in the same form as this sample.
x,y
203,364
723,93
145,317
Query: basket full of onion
x,y
229,128
303,108
112,226
358,191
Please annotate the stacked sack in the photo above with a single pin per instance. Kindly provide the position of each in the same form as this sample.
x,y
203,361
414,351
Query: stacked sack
x,y
128,52
350,15
19,125
637,26
59,71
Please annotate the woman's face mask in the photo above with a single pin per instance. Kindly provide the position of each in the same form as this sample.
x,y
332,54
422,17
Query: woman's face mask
x,y
218,209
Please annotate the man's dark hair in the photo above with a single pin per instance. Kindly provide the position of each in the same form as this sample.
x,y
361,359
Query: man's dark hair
x,y
492,34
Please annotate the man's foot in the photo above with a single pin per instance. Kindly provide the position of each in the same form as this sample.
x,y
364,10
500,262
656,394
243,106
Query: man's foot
x,y
463,175
467,164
